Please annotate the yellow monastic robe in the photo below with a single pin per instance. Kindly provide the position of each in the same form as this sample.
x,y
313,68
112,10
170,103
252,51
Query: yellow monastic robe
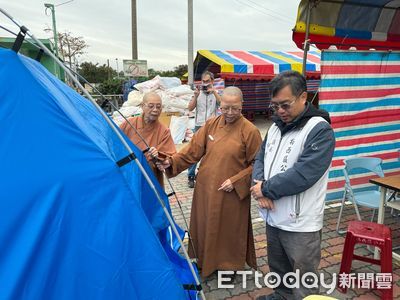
x,y
155,134
220,223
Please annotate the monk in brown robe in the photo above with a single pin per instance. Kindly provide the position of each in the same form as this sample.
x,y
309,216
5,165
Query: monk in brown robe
x,y
220,223
156,135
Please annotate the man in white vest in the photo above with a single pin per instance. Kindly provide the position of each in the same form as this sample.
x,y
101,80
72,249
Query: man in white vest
x,y
290,177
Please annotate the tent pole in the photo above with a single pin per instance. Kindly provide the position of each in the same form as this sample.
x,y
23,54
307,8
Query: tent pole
x,y
306,41
190,43
116,131
172,224
136,132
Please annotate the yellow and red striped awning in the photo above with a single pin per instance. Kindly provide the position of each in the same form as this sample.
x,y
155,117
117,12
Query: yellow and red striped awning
x,y
254,62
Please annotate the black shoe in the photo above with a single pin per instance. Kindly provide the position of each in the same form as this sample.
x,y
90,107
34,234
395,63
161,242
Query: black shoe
x,y
191,181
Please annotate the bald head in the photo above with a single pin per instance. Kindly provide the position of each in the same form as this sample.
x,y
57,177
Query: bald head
x,y
233,91
231,104
150,96
152,106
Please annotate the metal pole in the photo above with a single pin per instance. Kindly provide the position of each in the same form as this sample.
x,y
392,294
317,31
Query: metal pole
x,y
117,67
108,69
306,41
53,16
134,31
190,42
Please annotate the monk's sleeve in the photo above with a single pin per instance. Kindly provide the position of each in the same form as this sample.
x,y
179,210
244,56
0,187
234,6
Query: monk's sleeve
x,y
190,154
123,126
242,181
166,145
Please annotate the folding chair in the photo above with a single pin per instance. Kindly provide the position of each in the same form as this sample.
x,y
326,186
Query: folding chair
x,y
366,198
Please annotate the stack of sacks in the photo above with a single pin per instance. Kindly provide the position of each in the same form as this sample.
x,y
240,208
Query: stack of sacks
x,y
177,99
135,98
127,112
174,95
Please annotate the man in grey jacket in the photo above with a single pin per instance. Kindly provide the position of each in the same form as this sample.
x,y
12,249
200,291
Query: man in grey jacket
x,y
290,177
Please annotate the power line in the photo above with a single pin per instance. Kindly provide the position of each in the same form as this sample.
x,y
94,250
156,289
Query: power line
x,y
278,18
272,11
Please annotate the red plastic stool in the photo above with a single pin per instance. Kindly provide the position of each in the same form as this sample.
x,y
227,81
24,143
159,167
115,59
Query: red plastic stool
x,y
368,233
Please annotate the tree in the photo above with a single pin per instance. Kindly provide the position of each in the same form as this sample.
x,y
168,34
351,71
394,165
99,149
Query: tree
x,y
153,73
95,73
70,46
111,87
180,70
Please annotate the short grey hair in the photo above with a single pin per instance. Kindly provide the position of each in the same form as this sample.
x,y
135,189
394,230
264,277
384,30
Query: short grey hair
x,y
233,91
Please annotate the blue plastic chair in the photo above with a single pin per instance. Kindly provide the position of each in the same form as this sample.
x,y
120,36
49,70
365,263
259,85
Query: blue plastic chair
x,y
368,198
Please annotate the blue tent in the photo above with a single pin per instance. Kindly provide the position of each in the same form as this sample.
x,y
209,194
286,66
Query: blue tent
x,y
74,225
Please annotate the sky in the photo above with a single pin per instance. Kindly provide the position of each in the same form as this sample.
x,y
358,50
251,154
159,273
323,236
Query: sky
x,y
105,25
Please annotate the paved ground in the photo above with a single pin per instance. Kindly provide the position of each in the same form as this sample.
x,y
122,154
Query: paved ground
x,y
332,247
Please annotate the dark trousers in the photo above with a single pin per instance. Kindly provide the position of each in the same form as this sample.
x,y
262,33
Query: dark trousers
x,y
289,251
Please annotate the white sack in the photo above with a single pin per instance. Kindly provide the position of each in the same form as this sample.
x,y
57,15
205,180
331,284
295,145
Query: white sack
x,y
178,127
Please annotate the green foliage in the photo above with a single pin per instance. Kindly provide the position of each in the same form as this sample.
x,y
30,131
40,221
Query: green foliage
x,y
112,86
180,70
177,72
95,73
109,81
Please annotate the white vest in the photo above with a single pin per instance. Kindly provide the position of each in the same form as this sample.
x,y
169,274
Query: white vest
x,y
206,108
303,212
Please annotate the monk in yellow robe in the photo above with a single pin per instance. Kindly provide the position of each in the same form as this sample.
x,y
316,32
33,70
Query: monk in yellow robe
x,y
157,136
220,223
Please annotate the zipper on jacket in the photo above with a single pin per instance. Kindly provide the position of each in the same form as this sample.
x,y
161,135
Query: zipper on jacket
x,y
297,207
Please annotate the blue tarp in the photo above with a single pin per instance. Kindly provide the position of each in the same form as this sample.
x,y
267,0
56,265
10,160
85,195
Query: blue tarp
x,y
73,225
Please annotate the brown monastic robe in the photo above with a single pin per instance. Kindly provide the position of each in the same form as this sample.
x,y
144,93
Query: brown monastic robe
x,y
155,134
220,223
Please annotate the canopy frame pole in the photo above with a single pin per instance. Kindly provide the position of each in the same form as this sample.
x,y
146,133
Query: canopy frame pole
x,y
125,144
306,45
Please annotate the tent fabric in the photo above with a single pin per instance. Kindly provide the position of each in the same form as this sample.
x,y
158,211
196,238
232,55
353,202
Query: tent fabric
x,y
73,225
253,62
350,23
361,91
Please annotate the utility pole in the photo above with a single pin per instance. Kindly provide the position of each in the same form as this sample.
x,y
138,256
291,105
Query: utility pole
x,y
134,31
108,69
53,15
190,42
117,67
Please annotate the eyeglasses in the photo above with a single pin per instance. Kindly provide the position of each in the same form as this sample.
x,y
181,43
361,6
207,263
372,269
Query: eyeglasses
x,y
284,106
234,109
152,106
